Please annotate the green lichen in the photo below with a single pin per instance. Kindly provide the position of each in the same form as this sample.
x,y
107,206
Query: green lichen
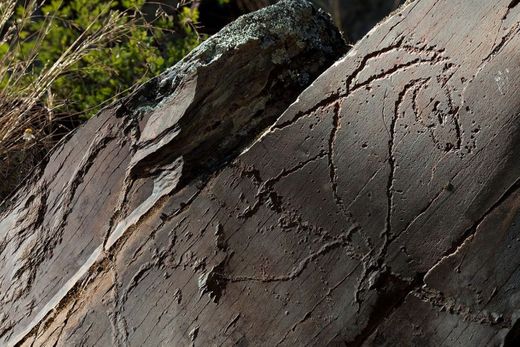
x,y
267,26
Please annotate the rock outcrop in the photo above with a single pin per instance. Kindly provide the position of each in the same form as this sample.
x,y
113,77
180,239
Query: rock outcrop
x,y
68,225
381,208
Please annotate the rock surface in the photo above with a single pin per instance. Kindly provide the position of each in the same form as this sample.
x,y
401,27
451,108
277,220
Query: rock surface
x,y
381,208
68,225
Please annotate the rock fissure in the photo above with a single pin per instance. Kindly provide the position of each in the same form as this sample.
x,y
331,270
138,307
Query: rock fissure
x,y
469,233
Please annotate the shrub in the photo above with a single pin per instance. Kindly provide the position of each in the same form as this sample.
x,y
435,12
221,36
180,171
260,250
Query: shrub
x,y
142,49
68,58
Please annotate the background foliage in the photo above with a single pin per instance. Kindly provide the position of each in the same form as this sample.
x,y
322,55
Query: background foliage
x,y
62,60
144,50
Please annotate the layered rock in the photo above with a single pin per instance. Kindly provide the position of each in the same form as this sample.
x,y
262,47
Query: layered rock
x,y
381,208
67,226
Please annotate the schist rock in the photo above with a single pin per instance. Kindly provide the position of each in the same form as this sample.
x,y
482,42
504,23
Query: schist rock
x,y
69,224
381,208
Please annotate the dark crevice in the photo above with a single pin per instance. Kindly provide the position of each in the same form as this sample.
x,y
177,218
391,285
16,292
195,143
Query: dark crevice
x,y
471,231
332,167
512,339
296,270
454,306
322,104
391,152
377,262
392,292
370,56
511,5
498,48
397,68
265,191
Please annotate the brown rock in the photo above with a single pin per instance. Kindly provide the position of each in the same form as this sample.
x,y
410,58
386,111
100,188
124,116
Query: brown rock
x,y
64,230
382,208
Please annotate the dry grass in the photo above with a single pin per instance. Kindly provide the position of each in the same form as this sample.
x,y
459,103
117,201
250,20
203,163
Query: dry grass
x,y
27,108
30,120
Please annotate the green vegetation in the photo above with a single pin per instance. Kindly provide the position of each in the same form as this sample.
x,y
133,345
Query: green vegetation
x,y
62,58
143,49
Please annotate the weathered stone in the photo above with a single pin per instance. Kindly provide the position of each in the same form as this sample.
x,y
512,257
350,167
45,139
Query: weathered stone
x,y
68,224
382,208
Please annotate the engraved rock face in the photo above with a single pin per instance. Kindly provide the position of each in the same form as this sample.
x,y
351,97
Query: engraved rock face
x,y
381,208
65,228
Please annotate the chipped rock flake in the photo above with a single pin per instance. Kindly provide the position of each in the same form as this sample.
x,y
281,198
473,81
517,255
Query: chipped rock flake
x,y
194,333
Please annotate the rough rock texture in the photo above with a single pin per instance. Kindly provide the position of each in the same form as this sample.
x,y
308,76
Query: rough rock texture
x,y
71,222
382,207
